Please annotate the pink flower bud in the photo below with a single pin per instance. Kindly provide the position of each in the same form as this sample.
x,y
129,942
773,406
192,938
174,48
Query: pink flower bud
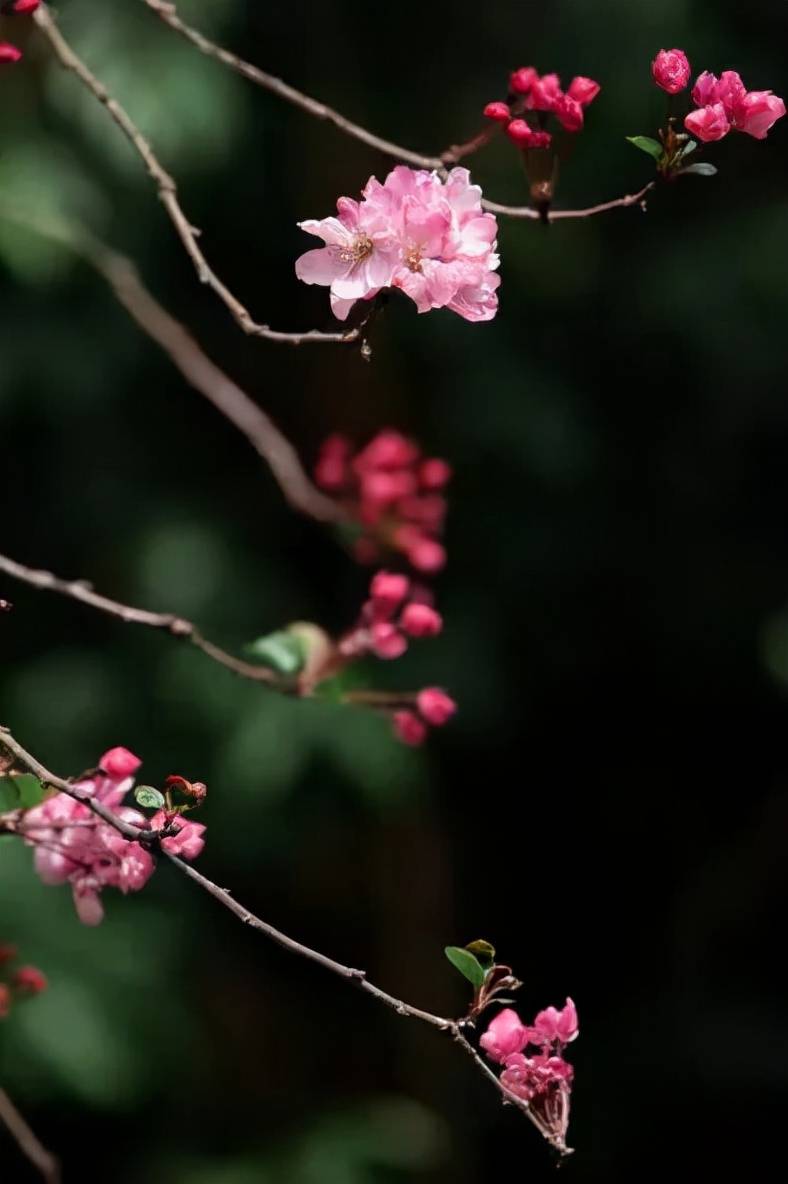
x,y
119,763
520,133
729,91
498,111
9,53
434,473
757,111
708,123
521,81
29,980
435,706
504,1036
387,641
419,620
671,70
541,140
409,728
382,487
388,590
388,450
583,90
544,92
426,555
87,900
21,7
569,113
704,91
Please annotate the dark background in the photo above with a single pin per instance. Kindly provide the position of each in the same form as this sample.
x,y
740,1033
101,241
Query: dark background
x,y
611,805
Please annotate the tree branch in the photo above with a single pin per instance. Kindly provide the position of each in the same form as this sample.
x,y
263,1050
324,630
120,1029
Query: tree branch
x,y
167,191
167,12
46,581
27,1141
348,973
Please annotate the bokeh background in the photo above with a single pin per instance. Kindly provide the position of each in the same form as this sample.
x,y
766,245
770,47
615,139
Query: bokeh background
x,y
611,805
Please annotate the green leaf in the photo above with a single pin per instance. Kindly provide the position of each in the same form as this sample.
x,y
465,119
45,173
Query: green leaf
x,y
701,169
149,798
483,951
20,790
284,652
467,964
646,144
690,146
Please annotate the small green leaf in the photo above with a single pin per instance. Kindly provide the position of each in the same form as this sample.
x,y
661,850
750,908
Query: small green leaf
x,y
701,169
149,798
20,790
284,652
467,964
483,951
646,144
690,146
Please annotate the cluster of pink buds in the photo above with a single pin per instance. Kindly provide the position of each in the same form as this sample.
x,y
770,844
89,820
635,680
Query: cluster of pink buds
x,y
542,95
72,845
543,1078
394,493
722,104
396,611
9,54
18,983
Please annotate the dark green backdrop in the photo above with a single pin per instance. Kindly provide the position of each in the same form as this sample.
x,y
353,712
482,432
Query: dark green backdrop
x,y
611,805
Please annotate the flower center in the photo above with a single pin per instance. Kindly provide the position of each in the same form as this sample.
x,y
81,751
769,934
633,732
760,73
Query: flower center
x,y
361,248
413,258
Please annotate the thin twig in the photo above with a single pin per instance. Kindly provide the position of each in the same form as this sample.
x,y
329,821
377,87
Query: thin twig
x,y
190,359
167,191
629,199
348,973
167,12
27,1141
46,581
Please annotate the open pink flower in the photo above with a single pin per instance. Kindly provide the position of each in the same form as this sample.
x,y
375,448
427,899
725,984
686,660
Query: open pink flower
x,y
429,238
756,112
554,1026
504,1036
708,123
188,842
583,90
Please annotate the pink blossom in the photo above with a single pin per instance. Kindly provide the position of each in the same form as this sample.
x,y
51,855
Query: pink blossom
x,y
387,641
568,112
544,92
704,92
499,112
409,728
188,842
119,763
390,489
730,91
20,7
428,237
671,70
552,1025
435,706
708,123
388,590
30,980
521,81
583,90
9,53
505,1035
529,1077
420,620
756,112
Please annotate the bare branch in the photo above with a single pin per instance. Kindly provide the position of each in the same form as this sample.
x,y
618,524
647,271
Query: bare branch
x,y
629,199
348,973
167,12
27,1141
167,190
46,581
